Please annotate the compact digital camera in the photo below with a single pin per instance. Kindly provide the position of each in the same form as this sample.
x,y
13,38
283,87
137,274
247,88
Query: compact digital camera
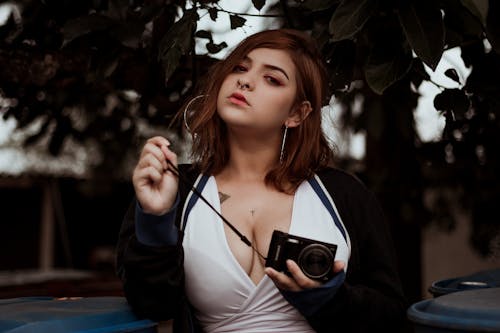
x,y
314,258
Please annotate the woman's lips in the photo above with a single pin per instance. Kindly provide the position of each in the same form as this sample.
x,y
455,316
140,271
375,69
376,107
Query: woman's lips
x,y
238,99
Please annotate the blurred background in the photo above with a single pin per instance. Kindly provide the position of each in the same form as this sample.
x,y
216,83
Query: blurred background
x,y
414,112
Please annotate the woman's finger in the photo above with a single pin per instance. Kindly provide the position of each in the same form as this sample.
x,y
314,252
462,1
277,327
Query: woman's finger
x,y
169,155
300,278
338,266
150,160
154,150
147,175
281,280
159,141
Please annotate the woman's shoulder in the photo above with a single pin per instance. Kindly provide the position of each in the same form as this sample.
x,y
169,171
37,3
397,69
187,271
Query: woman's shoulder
x,y
343,183
340,177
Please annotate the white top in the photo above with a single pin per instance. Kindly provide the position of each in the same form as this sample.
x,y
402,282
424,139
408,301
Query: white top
x,y
224,297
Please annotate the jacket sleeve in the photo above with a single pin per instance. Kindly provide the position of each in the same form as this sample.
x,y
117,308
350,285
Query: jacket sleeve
x,y
371,296
152,276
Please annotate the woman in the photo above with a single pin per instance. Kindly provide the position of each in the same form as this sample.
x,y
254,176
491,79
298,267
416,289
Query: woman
x,y
261,161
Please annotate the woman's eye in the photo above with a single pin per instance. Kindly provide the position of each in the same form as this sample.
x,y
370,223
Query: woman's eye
x,y
239,68
273,81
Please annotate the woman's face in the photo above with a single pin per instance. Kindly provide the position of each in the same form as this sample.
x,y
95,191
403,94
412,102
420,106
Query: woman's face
x,y
260,92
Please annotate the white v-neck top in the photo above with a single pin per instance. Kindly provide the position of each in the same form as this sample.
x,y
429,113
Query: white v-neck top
x,y
224,297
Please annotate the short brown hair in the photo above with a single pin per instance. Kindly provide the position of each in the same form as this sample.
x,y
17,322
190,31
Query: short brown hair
x,y
307,149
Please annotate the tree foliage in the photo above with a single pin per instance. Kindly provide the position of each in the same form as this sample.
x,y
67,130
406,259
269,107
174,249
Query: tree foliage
x,y
67,55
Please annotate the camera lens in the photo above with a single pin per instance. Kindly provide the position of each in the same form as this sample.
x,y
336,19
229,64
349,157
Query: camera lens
x,y
315,260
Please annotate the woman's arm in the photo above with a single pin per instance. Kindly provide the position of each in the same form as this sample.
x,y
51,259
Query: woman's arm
x,y
149,260
371,296
152,276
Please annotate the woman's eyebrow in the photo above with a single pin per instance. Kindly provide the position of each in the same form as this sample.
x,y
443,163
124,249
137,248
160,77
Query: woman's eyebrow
x,y
276,68
269,66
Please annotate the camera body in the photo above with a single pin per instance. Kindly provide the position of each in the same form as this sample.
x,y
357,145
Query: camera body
x,y
314,258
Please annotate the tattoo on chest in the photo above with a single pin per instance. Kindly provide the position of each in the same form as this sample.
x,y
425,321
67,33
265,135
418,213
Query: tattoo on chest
x,y
223,197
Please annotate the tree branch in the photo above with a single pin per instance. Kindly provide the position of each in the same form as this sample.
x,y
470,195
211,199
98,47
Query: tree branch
x,y
240,14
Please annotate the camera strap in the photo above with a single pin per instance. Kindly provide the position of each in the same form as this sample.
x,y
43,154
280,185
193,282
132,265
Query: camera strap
x,y
183,179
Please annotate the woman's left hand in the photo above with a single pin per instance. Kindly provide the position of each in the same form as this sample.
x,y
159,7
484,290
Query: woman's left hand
x,y
298,280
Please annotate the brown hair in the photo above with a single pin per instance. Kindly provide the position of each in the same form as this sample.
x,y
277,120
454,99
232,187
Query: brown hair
x,y
306,148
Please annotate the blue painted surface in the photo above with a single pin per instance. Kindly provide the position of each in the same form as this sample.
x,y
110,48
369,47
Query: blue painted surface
x,y
82,315
476,310
478,280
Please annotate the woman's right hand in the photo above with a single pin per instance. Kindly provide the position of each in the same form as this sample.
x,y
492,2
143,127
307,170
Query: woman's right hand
x,y
154,183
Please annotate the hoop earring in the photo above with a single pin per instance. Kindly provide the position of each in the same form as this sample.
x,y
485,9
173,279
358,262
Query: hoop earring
x,y
186,110
282,151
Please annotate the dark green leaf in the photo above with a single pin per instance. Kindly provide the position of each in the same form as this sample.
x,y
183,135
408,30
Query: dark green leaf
x,y
483,80
203,34
340,61
177,42
213,13
258,4
349,17
117,9
472,53
477,7
387,63
442,101
452,100
128,33
41,132
83,25
418,73
460,24
452,74
423,25
63,128
493,25
215,48
318,5
150,11
236,21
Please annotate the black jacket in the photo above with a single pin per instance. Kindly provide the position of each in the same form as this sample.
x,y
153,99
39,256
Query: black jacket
x,y
371,297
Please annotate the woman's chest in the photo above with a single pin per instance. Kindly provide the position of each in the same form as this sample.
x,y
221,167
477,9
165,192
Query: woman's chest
x,y
210,243
255,217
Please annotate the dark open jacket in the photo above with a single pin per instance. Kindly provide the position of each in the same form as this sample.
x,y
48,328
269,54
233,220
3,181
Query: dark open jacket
x,y
370,299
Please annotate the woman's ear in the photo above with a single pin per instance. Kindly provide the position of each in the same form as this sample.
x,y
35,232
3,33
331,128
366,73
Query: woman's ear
x,y
298,114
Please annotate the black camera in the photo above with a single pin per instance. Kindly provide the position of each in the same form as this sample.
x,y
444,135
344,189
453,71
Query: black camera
x,y
314,258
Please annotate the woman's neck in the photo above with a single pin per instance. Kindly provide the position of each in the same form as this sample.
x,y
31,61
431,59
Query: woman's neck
x,y
250,159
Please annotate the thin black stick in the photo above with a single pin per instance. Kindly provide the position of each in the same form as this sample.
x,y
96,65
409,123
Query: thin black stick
x,y
195,191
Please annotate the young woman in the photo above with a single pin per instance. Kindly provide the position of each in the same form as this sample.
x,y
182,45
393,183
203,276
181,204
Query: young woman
x,y
262,162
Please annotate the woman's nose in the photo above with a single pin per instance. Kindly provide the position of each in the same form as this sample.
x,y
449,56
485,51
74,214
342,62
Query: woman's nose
x,y
243,84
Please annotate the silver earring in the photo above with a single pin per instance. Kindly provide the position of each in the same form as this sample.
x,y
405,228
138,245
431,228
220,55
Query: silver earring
x,y
186,109
282,151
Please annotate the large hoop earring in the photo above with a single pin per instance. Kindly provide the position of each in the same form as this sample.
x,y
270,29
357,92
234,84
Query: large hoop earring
x,y
282,151
186,109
